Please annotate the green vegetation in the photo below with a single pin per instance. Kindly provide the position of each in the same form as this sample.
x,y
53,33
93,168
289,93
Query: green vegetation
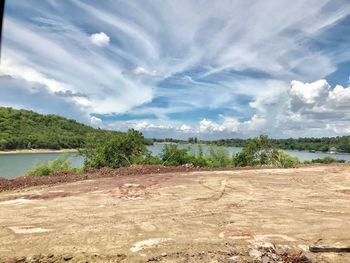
x,y
325,160
115,151
127,149
22,129
339,144
61,164
261,151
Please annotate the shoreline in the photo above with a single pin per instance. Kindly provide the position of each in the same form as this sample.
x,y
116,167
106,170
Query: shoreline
x,y
38,151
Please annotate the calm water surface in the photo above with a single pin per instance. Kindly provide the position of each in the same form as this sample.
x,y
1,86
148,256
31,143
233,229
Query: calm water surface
x,y
14,165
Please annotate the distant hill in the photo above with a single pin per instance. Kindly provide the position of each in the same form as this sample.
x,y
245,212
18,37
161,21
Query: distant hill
x,y
23,129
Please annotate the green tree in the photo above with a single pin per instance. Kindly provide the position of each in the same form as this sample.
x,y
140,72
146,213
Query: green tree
x,y
260,151
115,151
172,156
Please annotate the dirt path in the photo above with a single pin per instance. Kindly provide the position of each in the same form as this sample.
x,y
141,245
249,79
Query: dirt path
x,y
201,216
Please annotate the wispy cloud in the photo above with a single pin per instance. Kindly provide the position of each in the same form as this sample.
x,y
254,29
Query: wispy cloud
x,y
171,59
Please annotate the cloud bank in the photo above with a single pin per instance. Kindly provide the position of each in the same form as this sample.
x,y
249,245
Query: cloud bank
x,y
184,68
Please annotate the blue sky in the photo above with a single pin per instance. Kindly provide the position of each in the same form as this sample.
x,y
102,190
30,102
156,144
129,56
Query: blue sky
x,y
211,69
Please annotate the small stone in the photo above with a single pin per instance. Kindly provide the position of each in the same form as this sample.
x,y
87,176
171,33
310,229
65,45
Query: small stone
x,y
234,259
164,254
67,257
266,245
36,258
265,259
274,256
280,250
255,253
21,259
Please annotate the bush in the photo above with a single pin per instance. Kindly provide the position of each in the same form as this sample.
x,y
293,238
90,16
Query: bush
x,y
149,159
325,160
115,151
283,160
218,157
256,152
60,164
172,156
260,151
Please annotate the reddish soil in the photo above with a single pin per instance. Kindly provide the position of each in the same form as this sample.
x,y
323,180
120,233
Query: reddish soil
x,y
135,170
29,181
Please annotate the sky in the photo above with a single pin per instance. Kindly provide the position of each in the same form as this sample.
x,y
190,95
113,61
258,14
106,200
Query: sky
x,y
210,69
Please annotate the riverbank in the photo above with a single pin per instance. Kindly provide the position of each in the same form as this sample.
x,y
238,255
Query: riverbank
x,y
27,151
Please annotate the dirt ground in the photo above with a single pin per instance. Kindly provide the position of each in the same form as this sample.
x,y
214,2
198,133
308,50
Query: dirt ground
x,y
263,215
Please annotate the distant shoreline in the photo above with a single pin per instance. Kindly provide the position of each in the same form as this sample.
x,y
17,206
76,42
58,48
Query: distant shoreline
x,y
34,151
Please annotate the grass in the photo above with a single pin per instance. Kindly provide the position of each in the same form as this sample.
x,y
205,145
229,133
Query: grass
x,y
58,165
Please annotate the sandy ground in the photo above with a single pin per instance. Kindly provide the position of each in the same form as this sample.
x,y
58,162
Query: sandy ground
x,y
202,216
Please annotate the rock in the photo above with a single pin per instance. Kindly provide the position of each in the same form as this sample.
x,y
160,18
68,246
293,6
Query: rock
x,y
255,253
265,259
234,259
164,254
274,256
36,258
67,257
21,259
265,245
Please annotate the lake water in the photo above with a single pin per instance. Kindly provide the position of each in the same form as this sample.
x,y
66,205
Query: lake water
x,y
14,165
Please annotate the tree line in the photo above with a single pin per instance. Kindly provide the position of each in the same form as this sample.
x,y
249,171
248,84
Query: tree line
x,y
23,129
324,144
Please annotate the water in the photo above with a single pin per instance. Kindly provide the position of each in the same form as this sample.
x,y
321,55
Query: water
x,y
302,155
14,165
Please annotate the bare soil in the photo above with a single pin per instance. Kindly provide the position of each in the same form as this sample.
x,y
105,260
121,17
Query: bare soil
x,y
256,215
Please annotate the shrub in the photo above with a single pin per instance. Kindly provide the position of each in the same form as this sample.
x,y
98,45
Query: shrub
x,y
326,160
60,164
260,151
256,152
148,159
172,156
115,151
218,157
283,160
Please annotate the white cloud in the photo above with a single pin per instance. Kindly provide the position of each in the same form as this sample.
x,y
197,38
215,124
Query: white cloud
x,y
185,128
100,39
146,126
207,126
142,71
319,97
96,122
309,92
228,125
17,70
312,108
340,96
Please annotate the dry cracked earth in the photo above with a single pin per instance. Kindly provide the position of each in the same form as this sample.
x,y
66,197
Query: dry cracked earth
x,y
262,215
